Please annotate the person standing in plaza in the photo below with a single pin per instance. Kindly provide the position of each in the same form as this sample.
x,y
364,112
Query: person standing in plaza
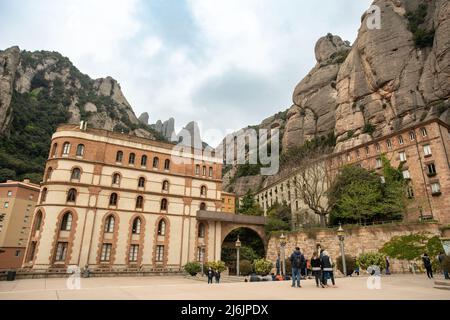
x,y
217,276
327,268
388,265
297,260
210,275
441,258
316,269
427,264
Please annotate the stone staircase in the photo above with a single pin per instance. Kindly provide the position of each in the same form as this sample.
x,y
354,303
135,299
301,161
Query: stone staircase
x,y
442,284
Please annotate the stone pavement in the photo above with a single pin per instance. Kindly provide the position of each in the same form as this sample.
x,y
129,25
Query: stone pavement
x,y
179,288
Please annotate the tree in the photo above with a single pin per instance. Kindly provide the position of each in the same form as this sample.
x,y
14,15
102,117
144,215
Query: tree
x,y
312,183
249,206
7,174
279,217
411,247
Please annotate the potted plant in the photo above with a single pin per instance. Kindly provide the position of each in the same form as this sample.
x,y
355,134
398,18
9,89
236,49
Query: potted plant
x,y
193,268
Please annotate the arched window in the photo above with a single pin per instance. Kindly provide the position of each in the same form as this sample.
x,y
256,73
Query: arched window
x,y
136,229
44,195
424,132
167,164
165,185
109,224
54,149
155,162
144,161
400,140
197,170
66,148
72,195
202,206
203,191
204,171
80,150
76,174
412,135
37,221
66,222
211,172
116,178
164,204
162,228
139,202
119,156
131,158
141,182
49,174
113,199
201,230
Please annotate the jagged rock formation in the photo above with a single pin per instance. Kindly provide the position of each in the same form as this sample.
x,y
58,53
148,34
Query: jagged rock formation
x,y
100,102
166,128
144,118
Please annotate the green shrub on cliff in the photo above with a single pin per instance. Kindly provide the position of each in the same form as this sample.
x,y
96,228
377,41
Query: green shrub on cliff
x,y
365,260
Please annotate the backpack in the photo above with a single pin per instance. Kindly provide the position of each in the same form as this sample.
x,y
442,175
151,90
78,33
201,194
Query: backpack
x,y
298,260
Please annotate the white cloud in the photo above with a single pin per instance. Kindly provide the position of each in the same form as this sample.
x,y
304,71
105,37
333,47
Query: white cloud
x,y
151,46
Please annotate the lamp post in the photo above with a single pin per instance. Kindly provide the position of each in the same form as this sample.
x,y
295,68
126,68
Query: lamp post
x,y
283,258
341,236
238,247
202,256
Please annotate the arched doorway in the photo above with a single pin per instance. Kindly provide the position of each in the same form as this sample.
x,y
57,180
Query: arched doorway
x,y
252,247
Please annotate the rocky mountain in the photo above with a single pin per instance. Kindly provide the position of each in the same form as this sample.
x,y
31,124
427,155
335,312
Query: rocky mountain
x,y
389,78
40,90
166,128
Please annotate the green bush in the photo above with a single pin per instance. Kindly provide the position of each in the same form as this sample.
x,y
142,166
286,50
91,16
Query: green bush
x,y
350,263
262,266
193,268
368,259
422,38
245,267
369,128
216,265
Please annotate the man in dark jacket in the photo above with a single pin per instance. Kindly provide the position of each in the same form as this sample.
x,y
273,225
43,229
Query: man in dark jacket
x,y
316,267
441,258
427,264
297,261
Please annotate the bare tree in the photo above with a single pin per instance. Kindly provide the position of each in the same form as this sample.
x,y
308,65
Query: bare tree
x,y
312,181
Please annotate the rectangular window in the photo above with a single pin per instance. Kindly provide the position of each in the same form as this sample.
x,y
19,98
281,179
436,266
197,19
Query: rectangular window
x,y
431,169
379,163
106,252
17,254
201,254
9,194
400,140
402,156
6,205
61,251
410,192
159,253
424,132
427,150
436,188
406,174
133,255
389,144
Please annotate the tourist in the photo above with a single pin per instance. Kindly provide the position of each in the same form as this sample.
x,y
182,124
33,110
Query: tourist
x,y
427,264
217,276
210,275
388,264
278,264
327,268
357,269
441,258
297,260
316,269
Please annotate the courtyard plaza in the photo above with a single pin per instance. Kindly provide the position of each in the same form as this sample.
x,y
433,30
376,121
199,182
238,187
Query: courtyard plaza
x,y
394,287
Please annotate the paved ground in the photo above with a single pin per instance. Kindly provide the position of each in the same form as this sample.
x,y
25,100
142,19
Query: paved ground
x,y
179,288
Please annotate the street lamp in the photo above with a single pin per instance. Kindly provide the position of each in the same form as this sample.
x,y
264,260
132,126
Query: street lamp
x,y
202,257
283,259
238,247
341,236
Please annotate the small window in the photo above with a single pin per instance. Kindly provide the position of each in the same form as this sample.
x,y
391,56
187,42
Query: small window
x,y
66,148
167,164
424,132
159,253
139,202
402,155
410,192
116,179
379,163
136,226
431,169
80,150
412,135
203,205
131,158
72,195
427,150
54,150
197,170
49,174
113,199
106,252
144,161
37,221
367,150
164,205
400,140
141,182
9,193
119,156
6,205
133,254
389,144
76,174
66,222
436,188
203,191
109,224
211,171
377,147
165,185
44,195
155,162
162,228
201,230
204,171
406,174
17,253
61,251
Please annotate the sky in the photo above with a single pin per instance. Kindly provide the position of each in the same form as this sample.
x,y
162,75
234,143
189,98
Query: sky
x,y
226,64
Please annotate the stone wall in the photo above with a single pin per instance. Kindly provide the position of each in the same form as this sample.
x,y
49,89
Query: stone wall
x,y
357,240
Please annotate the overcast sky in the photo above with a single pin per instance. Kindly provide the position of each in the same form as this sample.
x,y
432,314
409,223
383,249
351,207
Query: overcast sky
x,y
225,64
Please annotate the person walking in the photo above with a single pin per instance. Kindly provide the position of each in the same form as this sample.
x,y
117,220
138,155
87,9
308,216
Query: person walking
x,y
210,274
327,268
217,276
316,269
427,264
388,264
441,257
297,260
